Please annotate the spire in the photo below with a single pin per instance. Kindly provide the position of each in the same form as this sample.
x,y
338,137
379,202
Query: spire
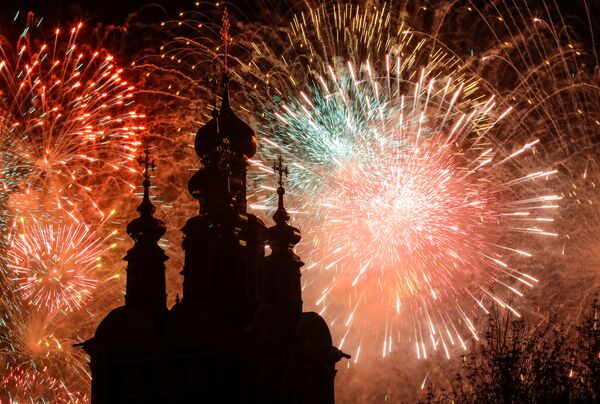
x,y
282,237
146,269
146,208
281,216
225,103
146,227
226,37
212,81
225,34
225,123
282,268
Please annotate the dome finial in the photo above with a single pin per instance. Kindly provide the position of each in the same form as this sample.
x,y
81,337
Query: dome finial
x,y
146,227
146,208
226,37
281,216
211,79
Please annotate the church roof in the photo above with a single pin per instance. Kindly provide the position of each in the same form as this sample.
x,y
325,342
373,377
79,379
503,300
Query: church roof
x,y
146,227
312,332
225,123
125,326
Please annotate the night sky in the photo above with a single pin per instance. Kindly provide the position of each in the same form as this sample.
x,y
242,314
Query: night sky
x,y
116,12
140,23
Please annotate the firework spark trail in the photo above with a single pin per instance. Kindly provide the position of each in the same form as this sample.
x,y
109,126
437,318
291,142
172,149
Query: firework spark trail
x,y
22,384
70,129
404,196
51,266
325,92
53,285
67,118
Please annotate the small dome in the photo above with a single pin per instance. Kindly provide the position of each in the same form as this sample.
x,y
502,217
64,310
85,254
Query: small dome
x,y
312,332
125,325
198,182
150,228
241,136
207,138
146,227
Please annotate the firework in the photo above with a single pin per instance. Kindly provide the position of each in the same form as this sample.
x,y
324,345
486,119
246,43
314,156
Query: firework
x,y
51,266
50,297
37,347
415,200
70,129
408,201
20,385
68,119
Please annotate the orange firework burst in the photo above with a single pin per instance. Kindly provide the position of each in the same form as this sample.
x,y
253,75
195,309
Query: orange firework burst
x,y
67,116
70,129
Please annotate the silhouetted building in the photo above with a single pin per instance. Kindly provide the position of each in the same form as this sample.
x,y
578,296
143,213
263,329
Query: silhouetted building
x,y
238,335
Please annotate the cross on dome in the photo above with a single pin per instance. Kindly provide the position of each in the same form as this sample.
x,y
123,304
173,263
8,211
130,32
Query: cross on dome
x,y
280,169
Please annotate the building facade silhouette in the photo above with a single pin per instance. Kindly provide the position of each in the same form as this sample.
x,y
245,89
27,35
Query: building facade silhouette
x,y
238,335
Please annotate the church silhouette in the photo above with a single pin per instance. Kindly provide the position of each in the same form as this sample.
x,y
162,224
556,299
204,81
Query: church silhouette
x,y
238,335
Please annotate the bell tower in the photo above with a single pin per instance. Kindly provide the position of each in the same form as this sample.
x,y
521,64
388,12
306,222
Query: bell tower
x,y
282,286
146,287
129,336
224,244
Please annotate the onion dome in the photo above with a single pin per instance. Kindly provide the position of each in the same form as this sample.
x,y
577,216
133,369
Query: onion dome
x,y
225,123
282,237
240,134
312,332
146,227
207,138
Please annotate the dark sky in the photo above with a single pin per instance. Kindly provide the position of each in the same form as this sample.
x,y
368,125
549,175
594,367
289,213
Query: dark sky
x,y
116,11
109,11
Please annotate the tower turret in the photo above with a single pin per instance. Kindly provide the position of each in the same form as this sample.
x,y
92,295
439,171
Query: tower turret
x,y
223,244
282,267
146,287
132,331
225,125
